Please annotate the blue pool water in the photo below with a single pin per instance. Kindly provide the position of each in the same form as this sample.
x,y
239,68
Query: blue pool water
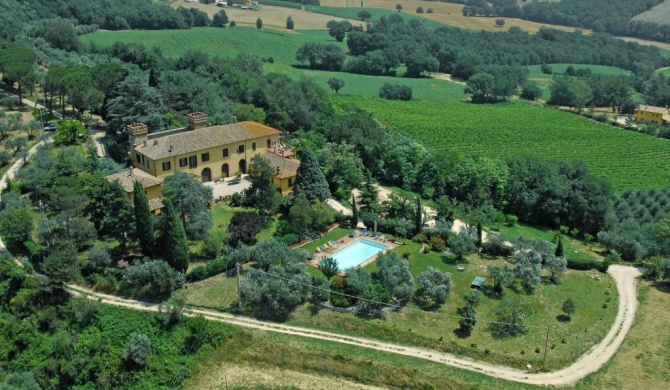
x,y
356,253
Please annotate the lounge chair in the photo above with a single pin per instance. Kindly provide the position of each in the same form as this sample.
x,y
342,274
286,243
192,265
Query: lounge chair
x,y
364,232
386,238
318,250
378,236
352,234
332,244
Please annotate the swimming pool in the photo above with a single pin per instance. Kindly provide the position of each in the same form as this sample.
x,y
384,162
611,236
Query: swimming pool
x,y
356,253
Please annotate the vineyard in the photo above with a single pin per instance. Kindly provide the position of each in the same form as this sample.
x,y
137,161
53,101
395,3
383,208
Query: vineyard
x,y
627,159
281,46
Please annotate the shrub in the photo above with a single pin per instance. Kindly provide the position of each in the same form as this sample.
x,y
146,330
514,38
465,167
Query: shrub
x,y
437,243
151,279
419,10
395,92
232,23
429,11
208,270
137,351
289,239
100,257
588,264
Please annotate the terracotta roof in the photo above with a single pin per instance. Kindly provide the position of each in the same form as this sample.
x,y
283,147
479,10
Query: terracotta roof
x,y
155,204
127,180
207,137
284,167
658,110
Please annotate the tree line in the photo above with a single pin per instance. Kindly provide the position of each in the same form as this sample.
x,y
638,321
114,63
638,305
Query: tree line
x,y
613,17
383,46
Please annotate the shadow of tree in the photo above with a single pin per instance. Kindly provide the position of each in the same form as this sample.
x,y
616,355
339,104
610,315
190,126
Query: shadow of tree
x,y
462,333
563,318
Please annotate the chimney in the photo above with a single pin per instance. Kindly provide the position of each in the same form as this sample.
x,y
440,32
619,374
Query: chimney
x,y
196,120
170,148
137,133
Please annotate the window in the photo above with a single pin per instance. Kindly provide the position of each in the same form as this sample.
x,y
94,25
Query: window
x,y
204,157
193,161
225,152
240,149
290,183
167,166
137,157
183,162
253,146
269,143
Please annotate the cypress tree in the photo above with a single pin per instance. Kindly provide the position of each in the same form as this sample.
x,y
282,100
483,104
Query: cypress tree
x,y
354,216
480,235
310,183
559,248
144,222
175,244
418,218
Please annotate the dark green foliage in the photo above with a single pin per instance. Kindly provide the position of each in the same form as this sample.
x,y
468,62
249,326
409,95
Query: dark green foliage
x,y
364,15
587,264
243,228
531,90
262,195
173,239
329,267
501,276
354,211
61,266
418,216
569,307
212,268
395,92
559,247
151,280
137,351
144,220
434,286
310,183
321,56
320,290
20,381
220,19
290,24
135,102
110,210
335,84
191,200
100,257
259,23
394,274
16,224
510,315
467,320
70,132
338,30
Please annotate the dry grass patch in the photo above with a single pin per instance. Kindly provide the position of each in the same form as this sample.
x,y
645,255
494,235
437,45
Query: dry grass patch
x,y
446,13
273,17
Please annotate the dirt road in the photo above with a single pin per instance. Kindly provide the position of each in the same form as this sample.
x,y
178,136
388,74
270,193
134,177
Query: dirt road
x,y
590,362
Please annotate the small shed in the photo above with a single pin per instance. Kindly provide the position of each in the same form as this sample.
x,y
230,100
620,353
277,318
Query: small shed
x,y
478,282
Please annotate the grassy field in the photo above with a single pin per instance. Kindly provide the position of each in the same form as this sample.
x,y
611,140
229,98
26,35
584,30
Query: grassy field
x,y
664,71
534,71
659,14
281,46
377,13
264,361
643,360
627,159
436,329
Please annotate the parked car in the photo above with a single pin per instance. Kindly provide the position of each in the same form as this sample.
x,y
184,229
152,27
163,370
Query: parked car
x,y
50,127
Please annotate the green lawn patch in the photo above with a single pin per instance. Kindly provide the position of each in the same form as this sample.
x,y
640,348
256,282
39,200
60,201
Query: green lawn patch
x,y
627,159
534,71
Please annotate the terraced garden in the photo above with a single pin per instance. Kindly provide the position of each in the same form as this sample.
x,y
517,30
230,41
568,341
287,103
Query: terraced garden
x,y
627,159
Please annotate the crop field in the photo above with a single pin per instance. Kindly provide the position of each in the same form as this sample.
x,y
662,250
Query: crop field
x,y
377,13
627,159
445,13
534,71
281,46
659,14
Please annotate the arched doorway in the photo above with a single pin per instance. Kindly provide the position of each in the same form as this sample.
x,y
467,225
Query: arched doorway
x,y
225,170
243,166
206,175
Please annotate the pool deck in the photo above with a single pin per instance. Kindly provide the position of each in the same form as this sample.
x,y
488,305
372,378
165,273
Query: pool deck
x,y
346,241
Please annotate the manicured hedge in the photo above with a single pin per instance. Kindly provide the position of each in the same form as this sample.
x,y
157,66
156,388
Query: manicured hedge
x,y
585,265
212,268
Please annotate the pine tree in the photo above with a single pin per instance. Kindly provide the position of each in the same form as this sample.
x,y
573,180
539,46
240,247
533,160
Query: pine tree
x,y
310,183
354,209
153,76
144,222
369,195
418,217
175,245
559,248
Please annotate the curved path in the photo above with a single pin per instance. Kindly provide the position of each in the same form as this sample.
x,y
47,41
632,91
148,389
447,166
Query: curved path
x,y
590,362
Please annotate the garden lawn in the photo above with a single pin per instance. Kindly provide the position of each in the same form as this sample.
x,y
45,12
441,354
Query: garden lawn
x,y
222,213
627,159
281,46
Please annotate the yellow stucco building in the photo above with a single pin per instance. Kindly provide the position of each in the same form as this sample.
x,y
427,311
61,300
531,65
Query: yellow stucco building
x,y
151,184
211,152
652,114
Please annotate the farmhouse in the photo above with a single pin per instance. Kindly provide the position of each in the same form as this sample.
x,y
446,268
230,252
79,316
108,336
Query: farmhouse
x,y
211,152
152,186
652,114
